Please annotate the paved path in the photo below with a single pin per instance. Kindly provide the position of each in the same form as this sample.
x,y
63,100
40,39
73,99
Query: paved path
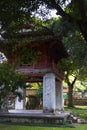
x,y
38,113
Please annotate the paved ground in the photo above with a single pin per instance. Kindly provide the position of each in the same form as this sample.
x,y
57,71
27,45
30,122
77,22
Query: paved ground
x,y
26,111
37,113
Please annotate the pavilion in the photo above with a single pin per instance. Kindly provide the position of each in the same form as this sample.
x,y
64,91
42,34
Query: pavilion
x,y
49,51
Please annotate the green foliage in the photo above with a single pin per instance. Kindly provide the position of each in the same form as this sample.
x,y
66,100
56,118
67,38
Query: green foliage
x,y
15,13
39,93
75,9
76,47
78,110
77,50
10,80
75,65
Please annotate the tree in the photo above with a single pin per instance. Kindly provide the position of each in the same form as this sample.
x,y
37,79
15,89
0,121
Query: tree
x,y
75,65
15,13
39,93
73,11
10,80
12,17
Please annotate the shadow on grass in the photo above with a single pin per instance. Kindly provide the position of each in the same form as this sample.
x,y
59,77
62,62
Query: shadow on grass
x,y
40,125
80,110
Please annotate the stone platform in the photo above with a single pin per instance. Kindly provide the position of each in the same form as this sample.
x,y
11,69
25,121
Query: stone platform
x,y
33,116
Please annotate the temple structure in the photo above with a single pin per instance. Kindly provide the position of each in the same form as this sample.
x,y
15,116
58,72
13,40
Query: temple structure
x,y
49,50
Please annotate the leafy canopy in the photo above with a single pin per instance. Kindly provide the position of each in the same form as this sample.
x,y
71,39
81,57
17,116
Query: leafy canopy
x,y
15,13
10,80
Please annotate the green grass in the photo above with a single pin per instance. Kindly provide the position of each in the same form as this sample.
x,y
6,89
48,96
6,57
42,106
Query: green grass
x,y
81,110
19,127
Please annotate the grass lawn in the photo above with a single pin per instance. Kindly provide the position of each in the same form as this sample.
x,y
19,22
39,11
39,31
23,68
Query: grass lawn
x,y
19,127
81,110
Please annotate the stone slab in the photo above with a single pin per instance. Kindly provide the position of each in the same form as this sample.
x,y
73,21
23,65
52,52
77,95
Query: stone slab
x,y
33,116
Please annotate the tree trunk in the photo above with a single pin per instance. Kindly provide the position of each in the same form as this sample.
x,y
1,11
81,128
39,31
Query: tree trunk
x,y
82,23
4,105
70,91
70,96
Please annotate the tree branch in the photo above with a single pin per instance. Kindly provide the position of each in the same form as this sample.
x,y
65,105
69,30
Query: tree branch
x,y
80,5
74,81
72,19
67,79
62,13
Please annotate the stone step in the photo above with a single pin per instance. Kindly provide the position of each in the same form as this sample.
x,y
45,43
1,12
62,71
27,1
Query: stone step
x,y
33,116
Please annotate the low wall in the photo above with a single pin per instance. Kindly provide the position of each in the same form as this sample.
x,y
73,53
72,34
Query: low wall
x,y
77,102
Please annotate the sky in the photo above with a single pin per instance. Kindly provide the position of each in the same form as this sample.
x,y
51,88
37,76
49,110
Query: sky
x,y
45,13
2,57
53,13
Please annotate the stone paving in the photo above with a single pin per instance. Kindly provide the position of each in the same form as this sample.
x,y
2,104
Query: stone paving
x,y
35,116
38,113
